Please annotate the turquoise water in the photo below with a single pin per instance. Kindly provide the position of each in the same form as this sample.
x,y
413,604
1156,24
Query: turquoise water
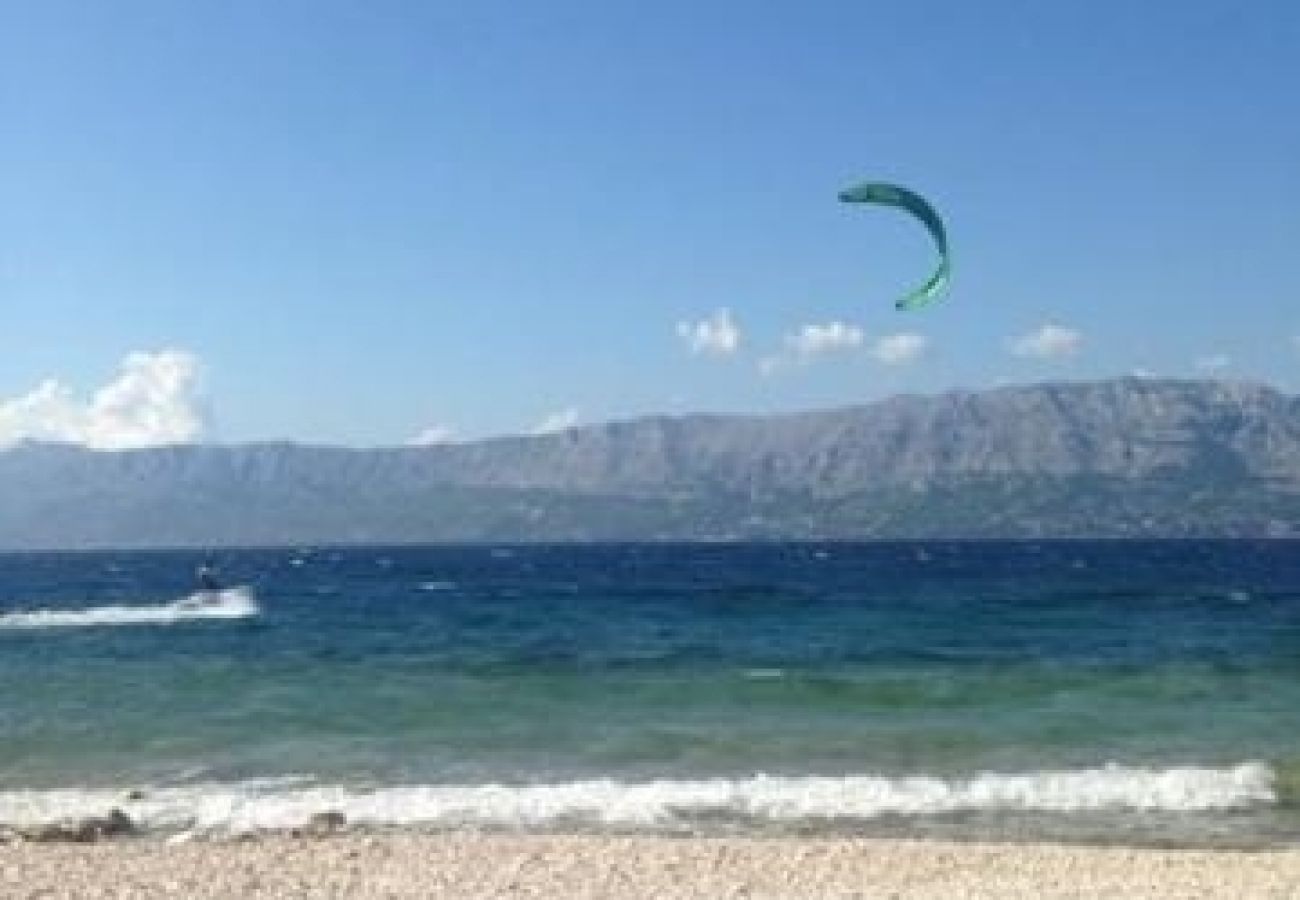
x,y
1145,692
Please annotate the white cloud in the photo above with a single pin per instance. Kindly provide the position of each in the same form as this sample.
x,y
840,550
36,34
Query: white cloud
x,y
1215,363
434,434
717,335
1048,342
814,340
899,349
557,421
810,342
151,402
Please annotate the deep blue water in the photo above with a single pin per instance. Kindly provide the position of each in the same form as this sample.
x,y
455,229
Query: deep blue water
x,y
1143,688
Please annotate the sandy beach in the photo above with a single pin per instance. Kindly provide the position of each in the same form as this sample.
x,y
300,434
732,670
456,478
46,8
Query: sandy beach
x,y
468,866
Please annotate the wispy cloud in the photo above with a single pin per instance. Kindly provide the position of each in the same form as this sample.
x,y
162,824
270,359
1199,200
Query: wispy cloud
x,y
899,349
717,335
557,421
1049,342
812,341
1216,362
150,402
817,340
434,434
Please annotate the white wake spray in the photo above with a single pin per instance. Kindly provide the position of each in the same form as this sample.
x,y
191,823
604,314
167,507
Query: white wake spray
x,y
232,603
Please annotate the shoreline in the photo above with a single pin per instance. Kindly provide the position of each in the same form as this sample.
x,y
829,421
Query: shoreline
x,y
1226,807
472,865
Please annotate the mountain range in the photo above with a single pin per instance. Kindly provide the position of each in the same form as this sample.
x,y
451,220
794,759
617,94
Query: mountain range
x,y
1130,457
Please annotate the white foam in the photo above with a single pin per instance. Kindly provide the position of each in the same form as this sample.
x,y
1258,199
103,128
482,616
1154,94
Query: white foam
x,y
232,603
272,804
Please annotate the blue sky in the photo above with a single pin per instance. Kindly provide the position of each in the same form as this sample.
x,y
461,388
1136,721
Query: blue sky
x,y
363,220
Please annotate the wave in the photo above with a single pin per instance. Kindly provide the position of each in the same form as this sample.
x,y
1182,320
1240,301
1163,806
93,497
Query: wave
x,y
291,802
232,603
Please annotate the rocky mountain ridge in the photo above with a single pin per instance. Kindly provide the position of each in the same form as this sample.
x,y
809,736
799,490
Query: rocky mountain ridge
x,y
1113,458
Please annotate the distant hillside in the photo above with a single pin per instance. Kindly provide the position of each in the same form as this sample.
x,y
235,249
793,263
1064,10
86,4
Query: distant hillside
x,y
1129,457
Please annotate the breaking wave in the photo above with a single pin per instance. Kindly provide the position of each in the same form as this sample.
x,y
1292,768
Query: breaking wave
x,y
288,803
232,603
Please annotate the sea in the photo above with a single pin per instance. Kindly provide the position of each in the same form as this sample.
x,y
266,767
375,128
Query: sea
x,y
1124,692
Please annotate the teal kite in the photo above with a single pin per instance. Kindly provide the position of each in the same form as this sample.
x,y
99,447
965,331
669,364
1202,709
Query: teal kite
x,y
894,195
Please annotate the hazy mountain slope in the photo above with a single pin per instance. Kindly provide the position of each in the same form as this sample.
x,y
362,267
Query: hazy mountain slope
x,y
1123,457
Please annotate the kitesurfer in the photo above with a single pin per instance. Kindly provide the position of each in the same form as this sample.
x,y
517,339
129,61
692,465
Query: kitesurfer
x,y
206,576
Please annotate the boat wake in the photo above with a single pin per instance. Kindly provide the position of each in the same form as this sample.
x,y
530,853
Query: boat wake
x,y
231,603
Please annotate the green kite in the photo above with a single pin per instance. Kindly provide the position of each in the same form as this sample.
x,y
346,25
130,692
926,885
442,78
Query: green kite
x,y
893,195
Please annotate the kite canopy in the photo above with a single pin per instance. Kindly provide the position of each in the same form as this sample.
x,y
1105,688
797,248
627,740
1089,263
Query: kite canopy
x,y
894,195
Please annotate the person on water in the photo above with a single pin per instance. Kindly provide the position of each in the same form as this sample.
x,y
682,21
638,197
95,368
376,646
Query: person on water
x,y
206,575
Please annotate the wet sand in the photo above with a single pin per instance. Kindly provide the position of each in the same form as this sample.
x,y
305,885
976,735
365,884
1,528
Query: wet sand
x,y
466,866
